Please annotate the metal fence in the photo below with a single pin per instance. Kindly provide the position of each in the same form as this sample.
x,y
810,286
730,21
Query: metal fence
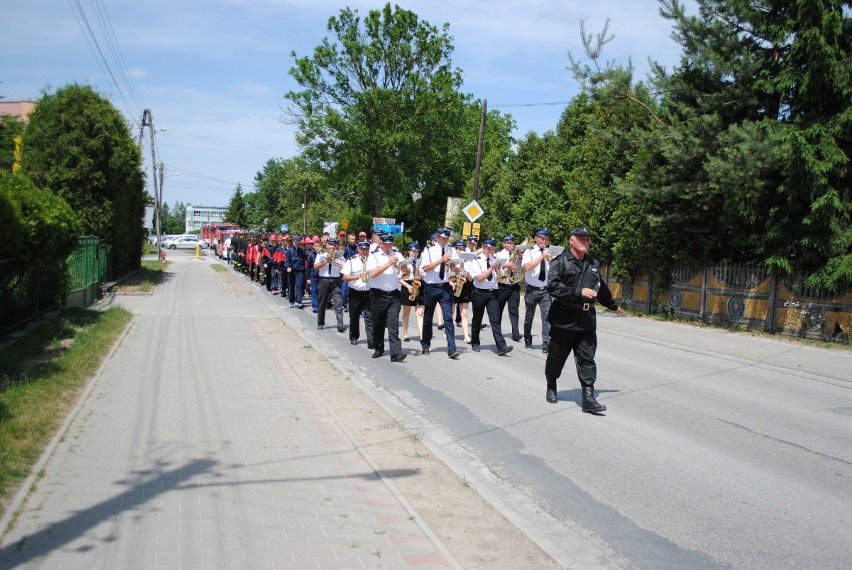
x,y
87,269
27,292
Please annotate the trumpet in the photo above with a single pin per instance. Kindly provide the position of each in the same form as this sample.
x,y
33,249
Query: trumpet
x,y
336,258
364,275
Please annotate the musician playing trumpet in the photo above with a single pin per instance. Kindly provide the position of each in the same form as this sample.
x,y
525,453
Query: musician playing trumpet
x,y
328,286
355,273
437,290
485,271
461,299
383,268
536,262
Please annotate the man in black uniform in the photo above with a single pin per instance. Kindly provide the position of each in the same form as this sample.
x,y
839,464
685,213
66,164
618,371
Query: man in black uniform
x,y
574,284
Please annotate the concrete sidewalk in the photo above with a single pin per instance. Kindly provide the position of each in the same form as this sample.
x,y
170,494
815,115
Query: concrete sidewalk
x,y
198,446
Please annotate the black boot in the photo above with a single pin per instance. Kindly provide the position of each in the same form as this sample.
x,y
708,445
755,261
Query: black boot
x,y
590,405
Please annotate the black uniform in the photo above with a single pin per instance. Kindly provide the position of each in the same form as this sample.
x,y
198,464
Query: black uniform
x,y
572,317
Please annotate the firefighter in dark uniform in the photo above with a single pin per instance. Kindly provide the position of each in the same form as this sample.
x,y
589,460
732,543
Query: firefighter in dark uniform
x,y
574,284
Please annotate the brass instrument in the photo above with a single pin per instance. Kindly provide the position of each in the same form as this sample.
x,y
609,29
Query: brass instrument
x,y
517,274
415,286
336,258
364,275
457,278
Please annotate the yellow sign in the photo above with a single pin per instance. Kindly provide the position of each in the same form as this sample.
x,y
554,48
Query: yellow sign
x,y
470,229
344,224
473,211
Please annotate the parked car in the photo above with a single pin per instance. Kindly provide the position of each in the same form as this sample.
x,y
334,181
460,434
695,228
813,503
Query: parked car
x,y
183,242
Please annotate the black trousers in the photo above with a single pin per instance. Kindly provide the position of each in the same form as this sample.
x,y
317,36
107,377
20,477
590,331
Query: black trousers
x,y
359,302
486,300
562,342
328,289
510,296
384,306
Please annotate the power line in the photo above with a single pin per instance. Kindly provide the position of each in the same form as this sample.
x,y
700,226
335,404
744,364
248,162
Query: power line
x,y
117,55
198,175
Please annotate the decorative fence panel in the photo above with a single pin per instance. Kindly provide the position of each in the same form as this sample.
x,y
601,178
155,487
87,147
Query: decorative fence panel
x,y
87,269
744,294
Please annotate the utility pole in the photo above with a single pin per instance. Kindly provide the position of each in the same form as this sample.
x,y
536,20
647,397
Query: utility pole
x,y
148,121
479,150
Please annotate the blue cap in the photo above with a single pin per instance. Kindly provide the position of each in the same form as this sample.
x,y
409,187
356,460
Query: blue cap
x,y
363,244
472,238
459,243
387,238
378,231
489,241
432,237
333,241
509,237
542,232
444,232
413,245
581,231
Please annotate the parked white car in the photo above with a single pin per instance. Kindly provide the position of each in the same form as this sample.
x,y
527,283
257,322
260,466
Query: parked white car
x,y
182,242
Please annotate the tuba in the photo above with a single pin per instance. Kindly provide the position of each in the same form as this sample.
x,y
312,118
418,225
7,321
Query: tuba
x,y
517,274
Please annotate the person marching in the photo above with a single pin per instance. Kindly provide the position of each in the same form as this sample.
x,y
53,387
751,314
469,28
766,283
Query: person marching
x,y
536,263
409,293
382,267
267,254
575,284
354,273
509,293
328,287
460,302
485,297
311,273
296,273
437,291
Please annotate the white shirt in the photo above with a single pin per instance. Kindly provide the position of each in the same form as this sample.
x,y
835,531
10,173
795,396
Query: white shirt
x,y
388,280
354,266
330,270
531,254
479,265
432,254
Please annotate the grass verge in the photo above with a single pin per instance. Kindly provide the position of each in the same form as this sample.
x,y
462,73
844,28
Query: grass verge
x,y
41,376
149,275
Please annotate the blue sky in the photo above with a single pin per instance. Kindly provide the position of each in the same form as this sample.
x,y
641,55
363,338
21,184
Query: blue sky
x,y
214,72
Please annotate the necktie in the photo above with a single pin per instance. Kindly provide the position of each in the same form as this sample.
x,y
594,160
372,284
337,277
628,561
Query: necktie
x,y
488,266
441,272
541,275
329,264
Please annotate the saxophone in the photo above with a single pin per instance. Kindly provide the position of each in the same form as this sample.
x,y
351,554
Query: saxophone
x,y
415,286
457,279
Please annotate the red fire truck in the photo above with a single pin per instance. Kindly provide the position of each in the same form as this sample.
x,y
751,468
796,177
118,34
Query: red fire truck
x,y
214,235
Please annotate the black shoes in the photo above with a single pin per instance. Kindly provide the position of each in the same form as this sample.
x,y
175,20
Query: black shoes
x,y
353,341
454,354
516,338
370,345
544,349
505,350
441,327
378,353
527,344
590,405
551,396
424,351
398,357
475,348
319,327
341,328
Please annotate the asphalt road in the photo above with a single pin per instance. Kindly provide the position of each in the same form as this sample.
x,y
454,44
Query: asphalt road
x,y
719,450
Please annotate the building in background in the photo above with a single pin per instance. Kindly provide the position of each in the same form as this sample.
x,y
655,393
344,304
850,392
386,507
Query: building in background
x,y
20,109
197,216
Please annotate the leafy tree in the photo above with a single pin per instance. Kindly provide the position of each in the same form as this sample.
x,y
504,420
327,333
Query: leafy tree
x,y
236,213
173,220
78,146
381,114
35,220
10,128
750,157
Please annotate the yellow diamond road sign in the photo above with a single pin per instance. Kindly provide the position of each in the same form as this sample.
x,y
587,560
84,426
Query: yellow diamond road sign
x,y
473,211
